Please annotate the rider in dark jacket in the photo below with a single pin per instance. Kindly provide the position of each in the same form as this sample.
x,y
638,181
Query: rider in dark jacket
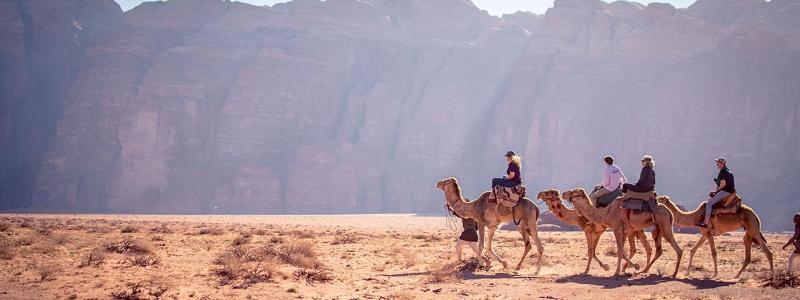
x,y
647,179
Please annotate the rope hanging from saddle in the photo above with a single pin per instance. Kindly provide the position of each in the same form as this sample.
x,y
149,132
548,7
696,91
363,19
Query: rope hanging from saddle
x,y
450,217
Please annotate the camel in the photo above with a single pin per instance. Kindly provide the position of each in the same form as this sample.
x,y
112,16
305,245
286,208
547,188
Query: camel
x,y
593,231
490,215
614,217
745,218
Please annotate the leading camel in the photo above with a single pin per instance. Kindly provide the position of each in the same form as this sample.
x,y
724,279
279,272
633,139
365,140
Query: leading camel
x,y
745,218
592,231
491,215
614,217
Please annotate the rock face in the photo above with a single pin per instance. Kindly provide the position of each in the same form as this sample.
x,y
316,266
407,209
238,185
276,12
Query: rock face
x,y
41,46
343,106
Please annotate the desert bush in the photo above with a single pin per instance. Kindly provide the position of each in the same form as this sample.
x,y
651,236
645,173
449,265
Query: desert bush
x,y
140,290
25,240
260,231
302,234
94,258
781,280
451,271
144,260
129,229
345,239
43,231
163,229
5,226
130,246
209,231
311,276
300,254
243,270
277,240
46,271
6,249
60,239
241,239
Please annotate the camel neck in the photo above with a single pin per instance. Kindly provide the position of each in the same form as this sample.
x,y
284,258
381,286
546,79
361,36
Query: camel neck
x,y
593,214
682,217
459,205
566,214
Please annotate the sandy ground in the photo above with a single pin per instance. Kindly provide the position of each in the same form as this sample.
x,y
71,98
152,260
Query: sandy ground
x,y
334,257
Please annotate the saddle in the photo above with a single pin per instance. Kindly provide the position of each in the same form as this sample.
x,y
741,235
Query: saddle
x,y
606,199
729,205
509,196
639,202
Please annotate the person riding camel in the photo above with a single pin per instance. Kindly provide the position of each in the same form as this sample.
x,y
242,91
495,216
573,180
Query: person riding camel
x,y
613,178
513,174
725,187
647,178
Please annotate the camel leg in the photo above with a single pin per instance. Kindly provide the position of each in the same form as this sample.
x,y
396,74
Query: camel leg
x,y
481,239
596,241
713,252
693,251
659,250
761,241
645,245
619,235
668,234
489,239
524,232
632,246
748,243
534,233
589,249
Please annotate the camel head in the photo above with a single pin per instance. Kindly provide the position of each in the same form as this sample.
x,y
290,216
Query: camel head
x,y
447,183
663,199
552,197
569,195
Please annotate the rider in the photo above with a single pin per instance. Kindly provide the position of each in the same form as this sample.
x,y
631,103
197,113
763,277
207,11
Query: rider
x,y
612,179
725,187
513,176
647,179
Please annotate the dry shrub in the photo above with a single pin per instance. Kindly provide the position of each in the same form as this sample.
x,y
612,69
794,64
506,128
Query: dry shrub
x,y
345,239
130,246
408,259
44,231
46,271
60,239
6,249
25,240
241,239
5,226
140,290
129,229
277,240
302,234
260,232
94,258
311,276
163,229
300,254
781,280
209,231
452,271
144,260
242,269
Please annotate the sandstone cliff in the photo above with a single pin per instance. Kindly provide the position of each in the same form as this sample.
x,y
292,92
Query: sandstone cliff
x,y
360,106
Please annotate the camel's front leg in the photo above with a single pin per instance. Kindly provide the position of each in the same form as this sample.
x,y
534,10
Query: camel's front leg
x,y
620,235
748,245
481,239
694,249
524,232
534,232
589,248
489,239
713,252
632,245
595,242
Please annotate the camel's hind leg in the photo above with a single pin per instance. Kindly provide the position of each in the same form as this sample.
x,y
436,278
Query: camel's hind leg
x,y
592,238
748,243
632,248
597,235
670,237
693,251
659,250
619,236
534,232
713,252
489,239
758,238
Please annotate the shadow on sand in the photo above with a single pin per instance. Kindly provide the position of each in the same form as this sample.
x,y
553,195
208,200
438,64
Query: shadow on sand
x,y
650,279
467,275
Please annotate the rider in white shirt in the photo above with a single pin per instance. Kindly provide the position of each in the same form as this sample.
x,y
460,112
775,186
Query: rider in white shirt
x,y
613,178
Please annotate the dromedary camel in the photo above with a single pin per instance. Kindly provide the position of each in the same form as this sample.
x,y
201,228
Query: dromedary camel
x,y
745,218
490,215
593,231
614,217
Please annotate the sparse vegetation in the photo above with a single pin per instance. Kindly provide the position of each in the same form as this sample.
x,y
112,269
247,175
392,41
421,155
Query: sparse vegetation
x,y
241,239
144,260
46,270
6,249
209,231
781,280
94,258
345,239
5,226
130,246
129,229
141,289
311,276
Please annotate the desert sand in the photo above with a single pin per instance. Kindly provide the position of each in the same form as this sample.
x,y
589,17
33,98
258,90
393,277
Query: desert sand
x,y
51,256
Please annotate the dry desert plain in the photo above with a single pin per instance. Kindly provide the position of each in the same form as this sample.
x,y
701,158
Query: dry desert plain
x,y
50,256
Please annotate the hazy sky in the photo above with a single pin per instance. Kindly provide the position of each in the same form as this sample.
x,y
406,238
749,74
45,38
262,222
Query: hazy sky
x,y
494,7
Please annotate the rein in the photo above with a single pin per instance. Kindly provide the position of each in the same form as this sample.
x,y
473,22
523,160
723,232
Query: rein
x,y
450,217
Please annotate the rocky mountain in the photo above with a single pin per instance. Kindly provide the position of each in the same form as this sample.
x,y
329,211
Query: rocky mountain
x,y
344,106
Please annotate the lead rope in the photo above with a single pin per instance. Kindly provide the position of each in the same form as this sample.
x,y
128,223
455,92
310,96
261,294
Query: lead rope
x,y
449,218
